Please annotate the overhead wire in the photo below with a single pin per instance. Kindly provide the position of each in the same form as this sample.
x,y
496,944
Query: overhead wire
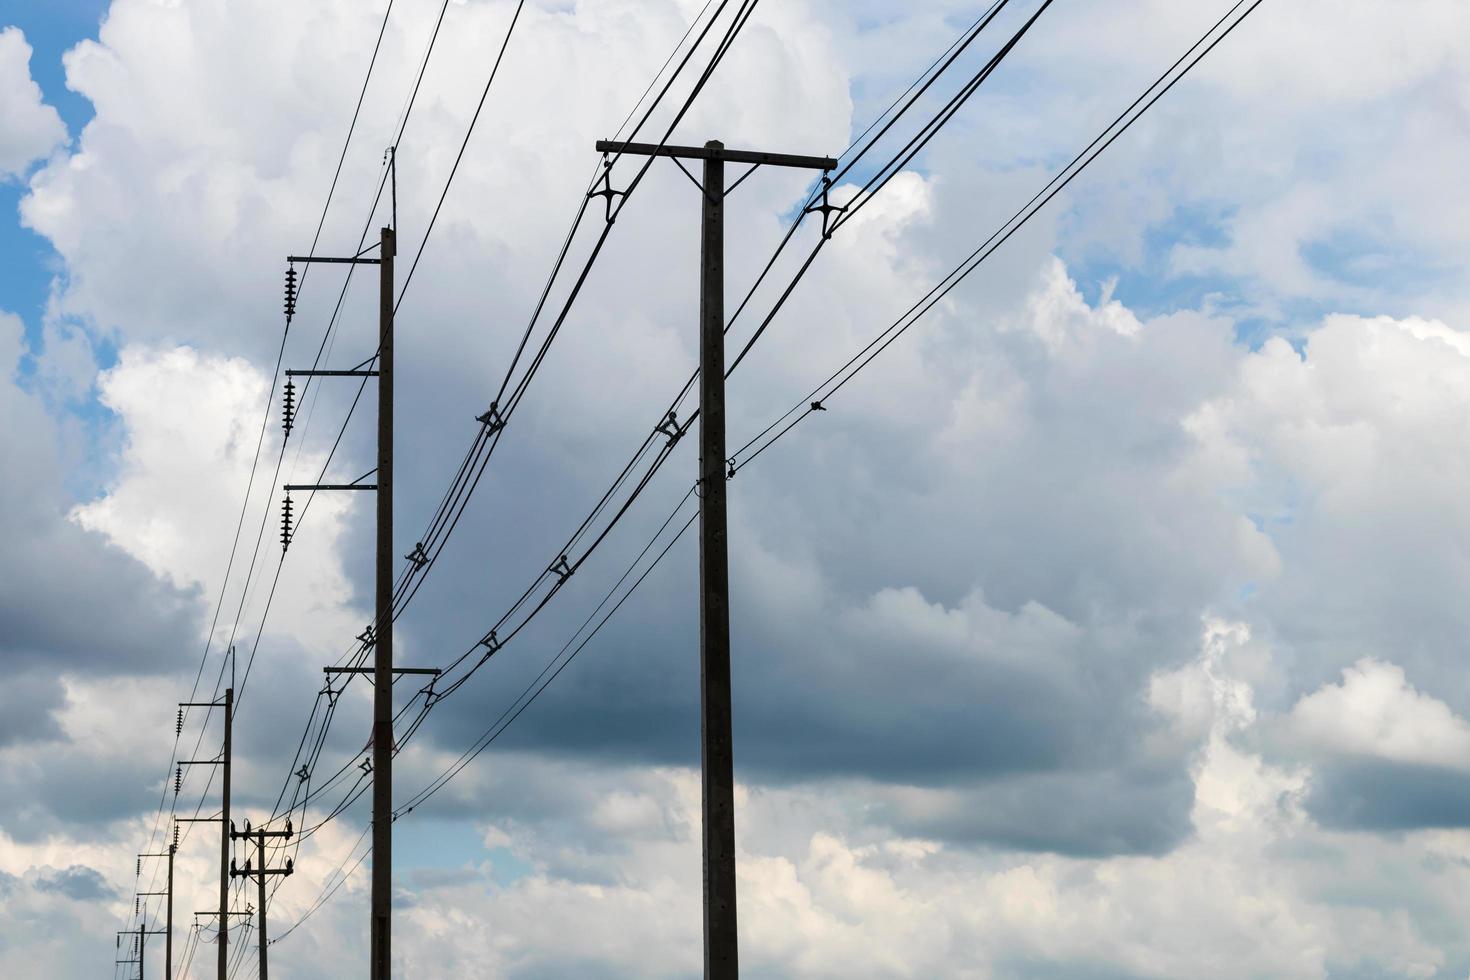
x,y
1166,81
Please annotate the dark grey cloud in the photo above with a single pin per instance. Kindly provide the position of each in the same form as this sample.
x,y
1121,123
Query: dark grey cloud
x,y
78,883
1387,797
1066,612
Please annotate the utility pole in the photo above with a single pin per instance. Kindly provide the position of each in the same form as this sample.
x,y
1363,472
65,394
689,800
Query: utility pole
x,y
381,932
224,837
380,635
168,943
260,873
142,933
721,960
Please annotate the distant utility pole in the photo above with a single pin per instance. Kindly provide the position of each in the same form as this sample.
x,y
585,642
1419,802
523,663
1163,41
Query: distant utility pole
x,y
142,933
168,944
721,960
260,873
380,634
224,837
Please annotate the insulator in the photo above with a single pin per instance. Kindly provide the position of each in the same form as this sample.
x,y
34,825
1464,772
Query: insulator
x,y
290,292
176,835
138,872
288,412
179,725
178,783
285,523
136,902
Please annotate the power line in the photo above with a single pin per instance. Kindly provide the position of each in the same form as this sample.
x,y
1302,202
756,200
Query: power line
x,y
1166,81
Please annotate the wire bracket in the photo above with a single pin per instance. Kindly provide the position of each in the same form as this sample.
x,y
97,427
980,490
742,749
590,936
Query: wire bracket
x,y
562,569
490,642
826,209
368,637
604,188
492,419
670,427
418,556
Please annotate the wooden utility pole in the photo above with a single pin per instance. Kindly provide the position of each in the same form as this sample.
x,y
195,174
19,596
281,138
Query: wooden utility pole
x,y
224,842
168,943
380,634
382,898
224,836
142,933
721,947
260,873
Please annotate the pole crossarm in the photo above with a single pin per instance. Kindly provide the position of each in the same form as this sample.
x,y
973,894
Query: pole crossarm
x,y
434,671
330,486
324,373
333,260
718,153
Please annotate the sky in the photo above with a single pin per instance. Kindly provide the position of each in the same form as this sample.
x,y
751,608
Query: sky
x,y
1107,624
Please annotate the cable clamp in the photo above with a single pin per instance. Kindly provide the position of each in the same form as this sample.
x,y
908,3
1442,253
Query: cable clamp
x,y
366,765
490,642
826,209
303,773
562,570
367,637
818,407
730,473
418,556
670,427
492,418
606,190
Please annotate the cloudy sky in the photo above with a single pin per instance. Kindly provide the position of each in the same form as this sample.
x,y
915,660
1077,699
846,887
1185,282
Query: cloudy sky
x,y
1109,624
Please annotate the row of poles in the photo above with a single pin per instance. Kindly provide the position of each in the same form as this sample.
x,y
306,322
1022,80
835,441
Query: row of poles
x,y
721,947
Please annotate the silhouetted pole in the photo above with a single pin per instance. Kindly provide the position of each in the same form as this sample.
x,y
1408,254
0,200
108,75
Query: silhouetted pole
x,y
721,946
260,901
382,897
716,748
168,937
168,945
224,845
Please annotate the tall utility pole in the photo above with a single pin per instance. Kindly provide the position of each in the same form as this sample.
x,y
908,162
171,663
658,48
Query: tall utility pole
x,y
224,836
380,635
168,943
260,873
721,959
381,933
